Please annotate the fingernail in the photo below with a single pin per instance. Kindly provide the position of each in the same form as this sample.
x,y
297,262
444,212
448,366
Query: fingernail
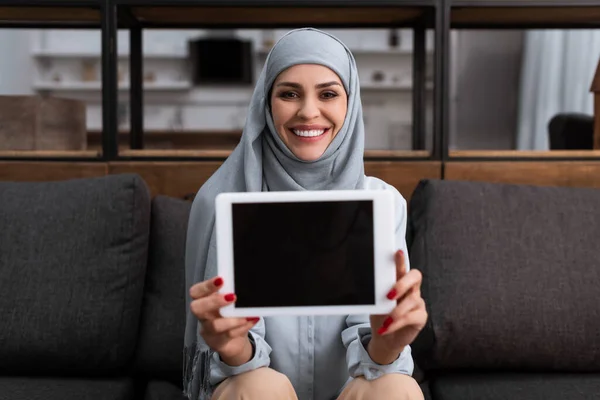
x,y
392,294
382,330
253,319
229,297
387,322
218,282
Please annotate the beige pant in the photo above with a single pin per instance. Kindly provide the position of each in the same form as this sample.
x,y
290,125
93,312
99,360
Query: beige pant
x,y
268,384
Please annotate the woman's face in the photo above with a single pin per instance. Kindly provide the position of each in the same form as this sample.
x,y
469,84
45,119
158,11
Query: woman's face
x,y
309,105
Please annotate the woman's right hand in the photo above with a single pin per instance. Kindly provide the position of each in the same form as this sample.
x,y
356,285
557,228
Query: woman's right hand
x,y
226,336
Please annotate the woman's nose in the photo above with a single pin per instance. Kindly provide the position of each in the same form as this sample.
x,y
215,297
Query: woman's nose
x,y
308,110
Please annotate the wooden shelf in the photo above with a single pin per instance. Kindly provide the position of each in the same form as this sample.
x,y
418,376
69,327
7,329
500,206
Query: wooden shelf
x,y
224,153
525,14
280,16
552,154
48,16
50,153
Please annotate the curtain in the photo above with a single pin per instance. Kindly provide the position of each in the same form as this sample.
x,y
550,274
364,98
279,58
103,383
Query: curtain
x,y
557,70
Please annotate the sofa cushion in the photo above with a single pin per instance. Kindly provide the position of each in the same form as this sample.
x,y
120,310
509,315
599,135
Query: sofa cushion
x,y
511,275
160,390
159,353
72,266
16,388
516,387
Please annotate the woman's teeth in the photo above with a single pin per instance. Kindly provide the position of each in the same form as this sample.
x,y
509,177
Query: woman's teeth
x,y
311,133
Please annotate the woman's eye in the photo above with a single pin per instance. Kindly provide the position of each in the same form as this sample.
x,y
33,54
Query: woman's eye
x,y
329,95
288,95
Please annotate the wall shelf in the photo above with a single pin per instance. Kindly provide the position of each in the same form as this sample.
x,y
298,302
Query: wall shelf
x,y
97,86
45,54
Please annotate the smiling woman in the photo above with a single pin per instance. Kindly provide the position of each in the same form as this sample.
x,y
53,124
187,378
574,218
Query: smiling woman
x,y
304,131
309,107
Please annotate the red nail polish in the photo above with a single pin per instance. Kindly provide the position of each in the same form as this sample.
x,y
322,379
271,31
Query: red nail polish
x,y
387,322
253,319
218,282
392,294
229,297
381,330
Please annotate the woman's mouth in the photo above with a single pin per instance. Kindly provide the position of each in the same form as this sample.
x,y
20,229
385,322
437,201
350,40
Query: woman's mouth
x,y
309,134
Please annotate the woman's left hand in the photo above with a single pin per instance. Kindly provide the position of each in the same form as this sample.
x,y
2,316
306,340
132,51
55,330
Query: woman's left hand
x,y
399,328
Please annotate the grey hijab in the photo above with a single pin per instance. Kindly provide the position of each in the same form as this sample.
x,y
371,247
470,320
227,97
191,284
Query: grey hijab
x,y
262,162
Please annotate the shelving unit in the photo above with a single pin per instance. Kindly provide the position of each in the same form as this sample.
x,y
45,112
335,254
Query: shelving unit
x,y
516,14
418,15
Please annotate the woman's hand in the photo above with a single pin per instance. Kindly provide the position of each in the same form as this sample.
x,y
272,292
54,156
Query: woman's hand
x,y
226,336
391,333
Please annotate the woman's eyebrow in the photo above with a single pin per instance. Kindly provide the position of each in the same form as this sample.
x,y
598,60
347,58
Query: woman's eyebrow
x,y
327,84
290,84
298,86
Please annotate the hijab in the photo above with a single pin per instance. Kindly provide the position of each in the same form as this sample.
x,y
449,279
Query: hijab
x,y
262,162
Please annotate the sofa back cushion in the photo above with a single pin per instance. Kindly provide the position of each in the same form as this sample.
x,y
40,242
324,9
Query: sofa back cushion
x,y
511,275
72,265
160,347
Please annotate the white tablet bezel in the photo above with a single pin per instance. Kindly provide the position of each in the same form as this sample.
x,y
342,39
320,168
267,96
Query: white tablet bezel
x,y
383,237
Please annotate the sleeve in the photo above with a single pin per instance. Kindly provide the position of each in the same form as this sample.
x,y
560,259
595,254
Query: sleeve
x,y
219,371
356,339
357,335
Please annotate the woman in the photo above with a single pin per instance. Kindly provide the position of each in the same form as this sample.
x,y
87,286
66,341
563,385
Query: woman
x,y
304,131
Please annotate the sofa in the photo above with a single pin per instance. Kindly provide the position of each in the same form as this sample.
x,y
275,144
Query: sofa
x,y
92,283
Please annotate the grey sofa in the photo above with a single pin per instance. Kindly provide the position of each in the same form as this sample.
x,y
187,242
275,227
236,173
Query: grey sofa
x,y
512,285
92,283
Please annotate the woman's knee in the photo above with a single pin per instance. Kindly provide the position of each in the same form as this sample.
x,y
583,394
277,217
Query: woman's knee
x,y
261,383
389,386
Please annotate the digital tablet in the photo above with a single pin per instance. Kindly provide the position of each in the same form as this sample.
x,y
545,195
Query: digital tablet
x,y
306,252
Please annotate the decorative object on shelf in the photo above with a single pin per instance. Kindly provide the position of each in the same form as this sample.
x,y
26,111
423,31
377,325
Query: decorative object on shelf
x,y
378,76
176,121
221,60
56,77
88,71
150,77
42,123
394,39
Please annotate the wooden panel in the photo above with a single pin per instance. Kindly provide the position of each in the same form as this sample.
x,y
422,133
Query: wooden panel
x,y
404,175
175,179
49,171
176,153
396,153
524,153
551,173
49,14
183,179
218,153
525,15
50,153
277,15
187,140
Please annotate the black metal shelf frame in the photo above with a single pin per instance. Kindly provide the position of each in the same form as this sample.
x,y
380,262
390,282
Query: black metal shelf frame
x,y
437,15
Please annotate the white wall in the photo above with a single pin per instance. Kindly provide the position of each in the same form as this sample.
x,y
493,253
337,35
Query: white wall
x,y
388,113
16,66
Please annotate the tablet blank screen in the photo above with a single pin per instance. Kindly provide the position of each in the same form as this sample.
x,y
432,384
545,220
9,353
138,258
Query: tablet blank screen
x,y
303,254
